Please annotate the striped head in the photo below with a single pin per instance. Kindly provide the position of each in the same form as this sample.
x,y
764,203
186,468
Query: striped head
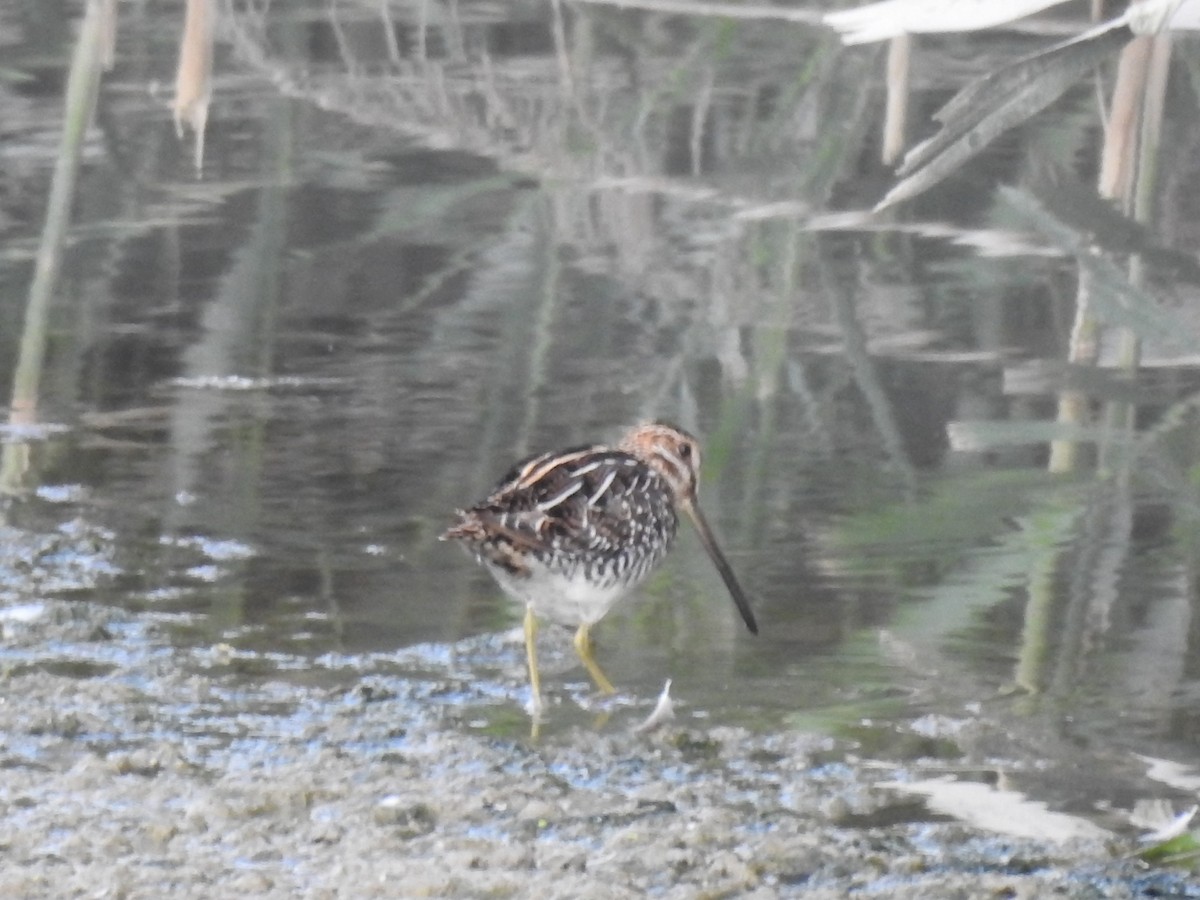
x,y
672,453
675,455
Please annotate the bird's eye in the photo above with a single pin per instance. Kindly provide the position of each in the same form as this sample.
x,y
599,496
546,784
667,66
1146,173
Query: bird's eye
x,y
686,451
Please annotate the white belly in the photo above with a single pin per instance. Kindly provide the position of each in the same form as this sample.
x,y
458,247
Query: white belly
x,y
567,600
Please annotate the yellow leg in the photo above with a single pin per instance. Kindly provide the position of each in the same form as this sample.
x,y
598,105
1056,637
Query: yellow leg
x,y
583,646
535,680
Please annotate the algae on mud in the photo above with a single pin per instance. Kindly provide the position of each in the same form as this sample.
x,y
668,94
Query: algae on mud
x,y
169,770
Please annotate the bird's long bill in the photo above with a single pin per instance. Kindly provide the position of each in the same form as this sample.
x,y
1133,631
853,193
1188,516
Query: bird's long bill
x,y
722,564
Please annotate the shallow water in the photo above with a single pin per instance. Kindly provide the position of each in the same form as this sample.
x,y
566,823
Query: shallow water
x,y
267,389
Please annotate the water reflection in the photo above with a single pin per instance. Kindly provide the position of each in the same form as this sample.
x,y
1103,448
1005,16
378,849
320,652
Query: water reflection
x,y
419,251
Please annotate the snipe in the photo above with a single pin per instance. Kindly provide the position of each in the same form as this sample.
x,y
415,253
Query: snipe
x,y
569,533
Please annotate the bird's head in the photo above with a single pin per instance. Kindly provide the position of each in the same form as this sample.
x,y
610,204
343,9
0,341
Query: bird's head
x,y
672,453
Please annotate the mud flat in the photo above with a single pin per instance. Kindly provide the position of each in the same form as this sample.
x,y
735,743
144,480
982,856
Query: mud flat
x,y
132,767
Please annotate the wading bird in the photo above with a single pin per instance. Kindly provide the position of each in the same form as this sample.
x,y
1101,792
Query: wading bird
x,y
569,533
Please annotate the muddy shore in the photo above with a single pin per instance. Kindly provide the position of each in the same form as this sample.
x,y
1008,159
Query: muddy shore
x,y
133,768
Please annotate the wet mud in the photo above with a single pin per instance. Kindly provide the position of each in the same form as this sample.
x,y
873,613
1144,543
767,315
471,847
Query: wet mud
x,y
131,766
